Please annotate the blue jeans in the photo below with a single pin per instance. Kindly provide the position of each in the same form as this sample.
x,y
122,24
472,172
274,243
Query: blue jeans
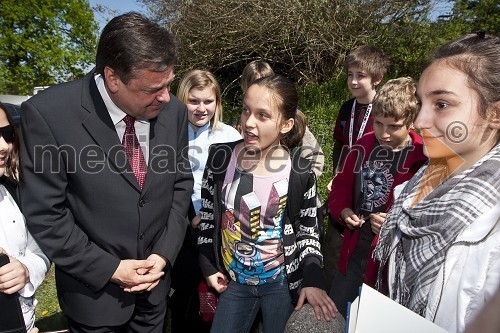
x,y
239,304
345,288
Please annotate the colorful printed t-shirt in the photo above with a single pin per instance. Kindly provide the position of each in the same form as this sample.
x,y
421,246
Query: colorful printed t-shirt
x,y
379,171
252,231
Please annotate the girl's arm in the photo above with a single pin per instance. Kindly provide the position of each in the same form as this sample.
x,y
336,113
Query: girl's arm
x,y
207,223
218,281
24,274
307,232
37,264
215,279
310,257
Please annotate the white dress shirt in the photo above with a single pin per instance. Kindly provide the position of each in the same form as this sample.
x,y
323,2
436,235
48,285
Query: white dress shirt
x,y
141,125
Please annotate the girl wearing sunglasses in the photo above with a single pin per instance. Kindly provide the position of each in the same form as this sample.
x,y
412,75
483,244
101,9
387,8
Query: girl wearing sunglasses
x,y
28,265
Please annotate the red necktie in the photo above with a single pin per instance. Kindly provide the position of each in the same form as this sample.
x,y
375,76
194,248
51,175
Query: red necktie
x,y
133,151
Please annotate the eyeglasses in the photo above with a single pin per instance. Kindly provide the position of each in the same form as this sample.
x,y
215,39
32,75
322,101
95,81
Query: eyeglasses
x,y
7,133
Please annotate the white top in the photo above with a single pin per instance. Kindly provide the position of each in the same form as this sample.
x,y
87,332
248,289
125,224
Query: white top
x,y
199,143
141,125
18,243
469,276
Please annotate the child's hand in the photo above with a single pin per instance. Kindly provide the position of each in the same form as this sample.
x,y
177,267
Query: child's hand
x,y
376,220
218,281
319,300
351,220
329,186
13,276
196,221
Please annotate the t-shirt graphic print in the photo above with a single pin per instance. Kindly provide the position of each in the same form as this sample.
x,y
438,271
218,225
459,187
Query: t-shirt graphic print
x,y
254,207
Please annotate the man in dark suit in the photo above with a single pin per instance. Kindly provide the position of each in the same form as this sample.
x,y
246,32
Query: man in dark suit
x,y
107,184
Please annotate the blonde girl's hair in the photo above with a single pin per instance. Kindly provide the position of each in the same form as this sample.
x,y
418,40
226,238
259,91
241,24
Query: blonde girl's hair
x,y
201,79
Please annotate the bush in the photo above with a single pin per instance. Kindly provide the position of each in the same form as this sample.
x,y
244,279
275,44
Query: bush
x,y
321,103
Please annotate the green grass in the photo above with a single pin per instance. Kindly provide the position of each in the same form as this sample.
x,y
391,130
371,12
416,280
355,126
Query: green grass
x,y
49,316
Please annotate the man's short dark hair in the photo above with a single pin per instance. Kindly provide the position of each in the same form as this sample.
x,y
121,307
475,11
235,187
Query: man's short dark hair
x,y
130,42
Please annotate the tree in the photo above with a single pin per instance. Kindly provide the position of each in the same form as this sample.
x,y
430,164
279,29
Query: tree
x,y
474,15
305,39
411,39
44,42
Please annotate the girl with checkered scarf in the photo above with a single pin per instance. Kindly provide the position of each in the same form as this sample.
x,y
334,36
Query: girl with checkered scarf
x,y
441,240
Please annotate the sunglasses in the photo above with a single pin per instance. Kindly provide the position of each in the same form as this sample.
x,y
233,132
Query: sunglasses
x,y
7,133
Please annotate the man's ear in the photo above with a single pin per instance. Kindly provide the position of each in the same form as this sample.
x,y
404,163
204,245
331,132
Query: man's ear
x,y
111,80
287,126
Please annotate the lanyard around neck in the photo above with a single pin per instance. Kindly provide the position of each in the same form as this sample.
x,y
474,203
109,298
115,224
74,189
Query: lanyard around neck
x,y
363,123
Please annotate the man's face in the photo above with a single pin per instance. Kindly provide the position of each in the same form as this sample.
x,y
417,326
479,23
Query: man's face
x,y
143,95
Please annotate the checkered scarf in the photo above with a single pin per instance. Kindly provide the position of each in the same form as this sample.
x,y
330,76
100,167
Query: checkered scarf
x,y
421,235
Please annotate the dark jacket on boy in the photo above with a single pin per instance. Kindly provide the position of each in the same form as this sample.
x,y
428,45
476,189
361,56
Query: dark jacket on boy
x,y
347,192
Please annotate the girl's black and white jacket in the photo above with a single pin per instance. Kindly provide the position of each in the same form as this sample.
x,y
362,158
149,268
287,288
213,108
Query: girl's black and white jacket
x,y
301,246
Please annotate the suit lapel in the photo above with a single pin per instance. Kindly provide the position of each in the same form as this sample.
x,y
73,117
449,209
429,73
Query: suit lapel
x,y
100,126
158,146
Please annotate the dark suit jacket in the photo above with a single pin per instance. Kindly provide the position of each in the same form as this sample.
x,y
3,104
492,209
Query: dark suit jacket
x,y
82,202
